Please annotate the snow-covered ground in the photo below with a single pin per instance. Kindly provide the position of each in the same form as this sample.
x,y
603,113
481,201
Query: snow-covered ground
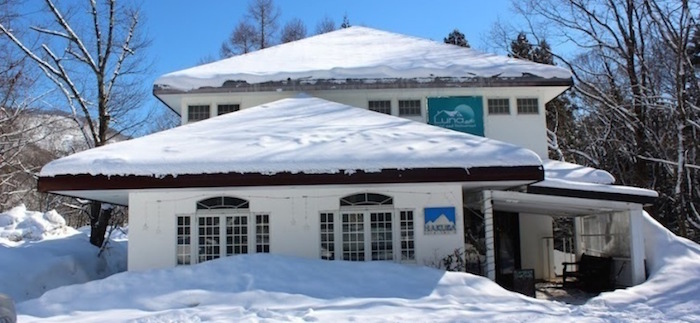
x,y
38,252
279,288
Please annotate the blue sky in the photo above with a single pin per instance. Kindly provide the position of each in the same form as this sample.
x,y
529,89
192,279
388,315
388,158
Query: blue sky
x,y
184,31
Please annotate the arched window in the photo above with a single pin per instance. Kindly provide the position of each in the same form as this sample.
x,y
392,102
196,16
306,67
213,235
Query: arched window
x,y
222,202
366,199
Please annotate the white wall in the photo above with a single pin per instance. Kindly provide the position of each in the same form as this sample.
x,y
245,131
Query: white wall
x,y
294,217
526,130
533,228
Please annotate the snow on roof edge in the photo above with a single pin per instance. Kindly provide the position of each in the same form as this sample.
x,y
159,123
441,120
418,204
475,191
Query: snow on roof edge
x,y
356,52
594,187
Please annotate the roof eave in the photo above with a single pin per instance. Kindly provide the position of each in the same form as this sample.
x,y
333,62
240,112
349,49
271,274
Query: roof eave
x,y
607,196
422,175
302,85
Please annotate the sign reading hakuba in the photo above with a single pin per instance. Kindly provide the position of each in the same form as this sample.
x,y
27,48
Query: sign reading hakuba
x,y
440,220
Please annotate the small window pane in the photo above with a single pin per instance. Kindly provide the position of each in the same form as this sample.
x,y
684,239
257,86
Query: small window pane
x,y
197,112
408,251
366,199
227,108
499,106
222,202
262,233
528,106
380,224
184,250
409,108
381,106
327,236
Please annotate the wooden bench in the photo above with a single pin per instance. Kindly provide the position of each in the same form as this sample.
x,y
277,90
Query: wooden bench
x,y
592,273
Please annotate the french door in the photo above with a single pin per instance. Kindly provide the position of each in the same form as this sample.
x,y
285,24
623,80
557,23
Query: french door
x,y
367,235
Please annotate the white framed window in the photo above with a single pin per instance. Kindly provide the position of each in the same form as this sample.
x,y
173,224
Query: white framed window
x,y
262,233
407,228
222,226
197,112
327,236
528,106
184,247
381,106
409,108
236,235
499,106
367,228
209,237
227,108
366,231
382,236
353,236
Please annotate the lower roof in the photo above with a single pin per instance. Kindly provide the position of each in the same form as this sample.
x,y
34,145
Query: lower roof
x,y
297,136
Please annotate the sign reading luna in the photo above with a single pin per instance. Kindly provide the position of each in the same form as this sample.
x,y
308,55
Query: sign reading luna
x,y
461,113
440,220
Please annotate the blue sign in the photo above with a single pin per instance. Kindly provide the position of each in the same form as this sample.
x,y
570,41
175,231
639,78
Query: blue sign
x,y
461,113
440,220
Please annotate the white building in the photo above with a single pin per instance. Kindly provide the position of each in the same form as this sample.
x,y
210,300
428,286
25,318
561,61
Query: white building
x,y
317,175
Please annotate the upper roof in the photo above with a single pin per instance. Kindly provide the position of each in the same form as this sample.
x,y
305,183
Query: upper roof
x,y
299,135
359,53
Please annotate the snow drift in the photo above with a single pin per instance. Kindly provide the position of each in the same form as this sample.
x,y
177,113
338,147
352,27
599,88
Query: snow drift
x,y
264,287
38,252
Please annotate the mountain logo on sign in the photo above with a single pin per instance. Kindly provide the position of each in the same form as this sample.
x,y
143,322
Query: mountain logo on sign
x,y
461,115
441,224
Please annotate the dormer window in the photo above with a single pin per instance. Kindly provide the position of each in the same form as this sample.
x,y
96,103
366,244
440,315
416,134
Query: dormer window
x,y
381,106
499,106
528,106
408,108
197,113
227,108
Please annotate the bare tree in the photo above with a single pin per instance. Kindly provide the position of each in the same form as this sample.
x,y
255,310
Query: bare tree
x,y
636,79
243,39
92,62
326,25
264,15
293,30
14,80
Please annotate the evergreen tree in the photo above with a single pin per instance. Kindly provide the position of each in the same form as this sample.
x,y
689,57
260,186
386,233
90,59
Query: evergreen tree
x,y
346,22
457,38
694,47
521,47
543,53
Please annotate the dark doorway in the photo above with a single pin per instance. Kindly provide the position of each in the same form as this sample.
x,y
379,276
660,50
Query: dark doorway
x,y
506,226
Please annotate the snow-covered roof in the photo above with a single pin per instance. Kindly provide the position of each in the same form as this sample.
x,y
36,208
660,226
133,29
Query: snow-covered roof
x,y
298,135
559,170
594,187
357,53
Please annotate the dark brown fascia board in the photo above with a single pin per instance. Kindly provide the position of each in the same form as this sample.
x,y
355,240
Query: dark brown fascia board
x,y
386,176
376,84
606,196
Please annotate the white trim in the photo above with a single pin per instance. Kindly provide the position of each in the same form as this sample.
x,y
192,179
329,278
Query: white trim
x,y
490,239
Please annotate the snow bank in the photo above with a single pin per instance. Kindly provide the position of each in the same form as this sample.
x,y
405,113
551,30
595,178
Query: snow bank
x,y
264,287
271,287
38,252
18,225
672,291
